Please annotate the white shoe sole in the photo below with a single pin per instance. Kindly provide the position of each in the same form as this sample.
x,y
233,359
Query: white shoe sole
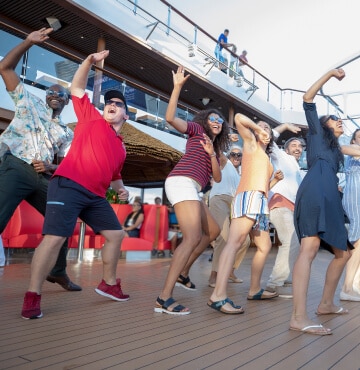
x,y
98,291
184,286
163,310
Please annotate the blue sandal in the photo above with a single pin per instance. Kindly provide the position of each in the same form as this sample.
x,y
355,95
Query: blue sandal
x,y
163,306
183,281
218,306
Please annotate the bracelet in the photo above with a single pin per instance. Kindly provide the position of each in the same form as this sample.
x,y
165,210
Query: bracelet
x,y
213,155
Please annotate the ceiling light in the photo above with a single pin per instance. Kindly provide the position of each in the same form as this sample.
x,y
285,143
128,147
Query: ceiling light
x,y
205,101
54,23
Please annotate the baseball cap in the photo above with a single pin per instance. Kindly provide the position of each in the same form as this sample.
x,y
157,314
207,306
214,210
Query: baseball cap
x,y
115,94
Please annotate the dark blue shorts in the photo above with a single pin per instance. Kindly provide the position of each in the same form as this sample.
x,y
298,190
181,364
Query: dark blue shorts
x,y
67,200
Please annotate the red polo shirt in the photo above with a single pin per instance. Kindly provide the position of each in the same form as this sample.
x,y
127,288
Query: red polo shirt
x,y
97,154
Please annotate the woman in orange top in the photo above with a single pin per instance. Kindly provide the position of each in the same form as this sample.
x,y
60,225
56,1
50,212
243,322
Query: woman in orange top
x,y
250,214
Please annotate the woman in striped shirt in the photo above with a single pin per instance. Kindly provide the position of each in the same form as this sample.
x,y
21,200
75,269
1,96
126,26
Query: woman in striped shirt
x,y
207,138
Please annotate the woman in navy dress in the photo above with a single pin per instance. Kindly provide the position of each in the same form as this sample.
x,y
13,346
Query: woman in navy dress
x,y
319,215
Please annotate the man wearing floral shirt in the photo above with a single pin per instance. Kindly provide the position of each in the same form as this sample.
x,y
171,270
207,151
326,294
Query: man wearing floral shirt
x,y
29,145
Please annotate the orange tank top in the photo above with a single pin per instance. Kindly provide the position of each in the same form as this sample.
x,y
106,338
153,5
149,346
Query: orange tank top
x,y
256,171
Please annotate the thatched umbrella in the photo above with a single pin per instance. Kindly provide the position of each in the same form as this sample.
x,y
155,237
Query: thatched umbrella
x,y
148,160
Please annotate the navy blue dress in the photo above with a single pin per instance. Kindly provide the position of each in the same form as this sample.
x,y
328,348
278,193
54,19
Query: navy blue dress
x,y
318,208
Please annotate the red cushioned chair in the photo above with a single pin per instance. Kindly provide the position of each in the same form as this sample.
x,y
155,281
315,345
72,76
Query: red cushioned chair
x,y
153,231
24,230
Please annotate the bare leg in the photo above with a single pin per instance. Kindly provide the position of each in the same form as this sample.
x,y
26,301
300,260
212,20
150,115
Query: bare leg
x,y
301,276
239,229
188,214
210,231
263,245
110,254
44,260
352,267
333,274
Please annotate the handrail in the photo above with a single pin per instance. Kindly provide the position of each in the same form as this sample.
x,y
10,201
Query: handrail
x,y
215,40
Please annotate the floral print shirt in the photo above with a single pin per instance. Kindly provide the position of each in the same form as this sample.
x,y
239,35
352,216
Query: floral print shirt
x,y
33,133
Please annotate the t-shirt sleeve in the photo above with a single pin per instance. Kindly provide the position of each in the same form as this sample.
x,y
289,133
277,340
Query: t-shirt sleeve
x,y
84,110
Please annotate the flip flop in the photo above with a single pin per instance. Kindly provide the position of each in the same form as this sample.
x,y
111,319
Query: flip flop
x,y
307,330
340,311
218,306
260,296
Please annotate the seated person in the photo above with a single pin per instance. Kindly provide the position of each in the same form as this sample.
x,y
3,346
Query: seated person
x,y
134,220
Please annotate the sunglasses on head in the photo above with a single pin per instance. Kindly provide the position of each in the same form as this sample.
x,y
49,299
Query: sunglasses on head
x,y
219,120
119,104
233,154
333,117
60,94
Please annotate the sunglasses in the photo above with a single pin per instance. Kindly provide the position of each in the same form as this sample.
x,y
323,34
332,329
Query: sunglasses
x,y
119,104
333,117
238,155
60,94
219,120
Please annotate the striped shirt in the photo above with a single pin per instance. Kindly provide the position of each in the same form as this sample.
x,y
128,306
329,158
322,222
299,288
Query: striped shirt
x,y
195,163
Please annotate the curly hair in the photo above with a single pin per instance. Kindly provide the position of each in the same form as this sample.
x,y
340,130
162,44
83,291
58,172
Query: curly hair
x,y
331,140
221,142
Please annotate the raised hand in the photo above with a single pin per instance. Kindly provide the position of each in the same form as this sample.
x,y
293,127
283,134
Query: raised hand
x,y
207,145
179,77
37,37
339,74
98,57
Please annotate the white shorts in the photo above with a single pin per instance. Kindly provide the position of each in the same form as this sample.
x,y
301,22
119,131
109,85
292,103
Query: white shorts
x,y
180,188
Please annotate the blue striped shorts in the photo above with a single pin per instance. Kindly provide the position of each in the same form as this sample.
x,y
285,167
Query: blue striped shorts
x,y
252,204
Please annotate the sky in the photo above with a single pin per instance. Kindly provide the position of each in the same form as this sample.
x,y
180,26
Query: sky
x,y
292,42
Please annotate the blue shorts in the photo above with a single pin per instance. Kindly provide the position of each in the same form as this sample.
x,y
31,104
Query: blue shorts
x,y
67,200
252,204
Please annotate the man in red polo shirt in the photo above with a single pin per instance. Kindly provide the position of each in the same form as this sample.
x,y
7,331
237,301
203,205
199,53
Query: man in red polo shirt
x,y
78,188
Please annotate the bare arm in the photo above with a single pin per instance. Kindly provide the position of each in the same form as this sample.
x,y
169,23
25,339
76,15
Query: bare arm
x,y
79,81
208,146
244,124
278,176
179,80
119,187
352,149
11,59
137,223
287,127
314,88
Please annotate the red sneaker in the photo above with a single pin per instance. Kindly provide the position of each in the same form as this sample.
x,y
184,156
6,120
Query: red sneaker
x,y
112,291
31,307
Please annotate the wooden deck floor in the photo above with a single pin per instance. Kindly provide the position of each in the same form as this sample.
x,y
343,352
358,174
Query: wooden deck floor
x,y
82,330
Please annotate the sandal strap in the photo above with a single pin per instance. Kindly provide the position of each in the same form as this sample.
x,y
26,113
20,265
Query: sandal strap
x,y
185,280
170,301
